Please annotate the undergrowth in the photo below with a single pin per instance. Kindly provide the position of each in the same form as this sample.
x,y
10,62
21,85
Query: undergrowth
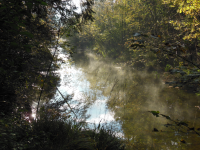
x,y
45,134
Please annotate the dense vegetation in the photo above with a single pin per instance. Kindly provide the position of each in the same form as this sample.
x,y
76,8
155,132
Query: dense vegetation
x,y
156,35
28,30
29,34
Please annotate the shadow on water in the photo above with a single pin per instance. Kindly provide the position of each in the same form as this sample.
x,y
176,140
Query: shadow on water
x,y
131,94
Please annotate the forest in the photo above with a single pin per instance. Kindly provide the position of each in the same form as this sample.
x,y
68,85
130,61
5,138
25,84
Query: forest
x,y
153,35
142,55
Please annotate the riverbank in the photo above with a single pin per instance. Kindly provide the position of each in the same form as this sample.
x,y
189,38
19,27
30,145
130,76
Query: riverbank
x,y
57,134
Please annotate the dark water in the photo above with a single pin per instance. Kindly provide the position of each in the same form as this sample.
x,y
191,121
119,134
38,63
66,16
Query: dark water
x,y
124,96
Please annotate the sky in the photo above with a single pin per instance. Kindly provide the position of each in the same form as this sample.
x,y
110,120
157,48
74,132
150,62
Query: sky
x,y
77,3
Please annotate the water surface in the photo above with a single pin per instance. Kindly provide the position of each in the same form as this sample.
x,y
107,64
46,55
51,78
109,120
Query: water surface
x,y
124,96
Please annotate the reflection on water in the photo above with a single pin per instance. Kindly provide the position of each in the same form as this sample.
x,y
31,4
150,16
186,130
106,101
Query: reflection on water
x,y
73,82
129,95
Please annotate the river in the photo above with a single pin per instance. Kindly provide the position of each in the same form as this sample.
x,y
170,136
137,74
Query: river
x,y
122,97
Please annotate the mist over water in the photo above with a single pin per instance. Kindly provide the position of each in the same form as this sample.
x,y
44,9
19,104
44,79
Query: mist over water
x,y
123,96
119,97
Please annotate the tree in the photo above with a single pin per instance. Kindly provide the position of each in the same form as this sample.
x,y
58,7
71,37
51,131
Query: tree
x,y
27,34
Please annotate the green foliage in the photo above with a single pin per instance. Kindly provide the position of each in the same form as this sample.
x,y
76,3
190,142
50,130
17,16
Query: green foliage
x,y
168,67
129,31
24,50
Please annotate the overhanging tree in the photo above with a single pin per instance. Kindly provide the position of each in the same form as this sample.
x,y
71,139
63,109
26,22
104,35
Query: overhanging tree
x,y
27,33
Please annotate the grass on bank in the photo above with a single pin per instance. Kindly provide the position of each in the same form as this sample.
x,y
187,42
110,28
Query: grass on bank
x,y
54,134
